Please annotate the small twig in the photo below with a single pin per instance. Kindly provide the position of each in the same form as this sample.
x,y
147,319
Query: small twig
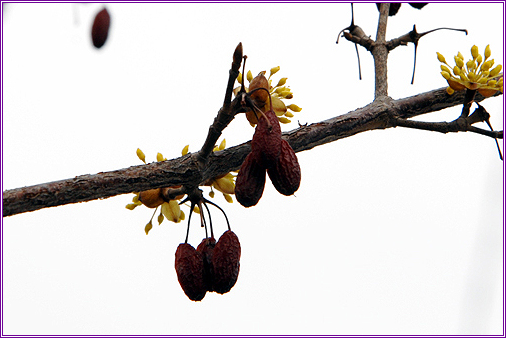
x,y
225,114
457,125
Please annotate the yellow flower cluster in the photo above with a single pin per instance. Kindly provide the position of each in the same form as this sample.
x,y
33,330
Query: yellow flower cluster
x,y
171,210
225,183
475,74
278,92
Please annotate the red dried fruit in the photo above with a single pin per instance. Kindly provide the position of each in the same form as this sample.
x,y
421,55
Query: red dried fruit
x,y
190,271
100,28
285,176
206,248
250,181
267,139
394,8
226,256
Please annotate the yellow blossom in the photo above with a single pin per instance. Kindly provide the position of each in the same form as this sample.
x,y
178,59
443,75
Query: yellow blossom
x,y
279,92
476,75
148,227
171,211
141,155
228,198
185,150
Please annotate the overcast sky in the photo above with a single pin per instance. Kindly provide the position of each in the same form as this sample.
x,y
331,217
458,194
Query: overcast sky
x,y
391,232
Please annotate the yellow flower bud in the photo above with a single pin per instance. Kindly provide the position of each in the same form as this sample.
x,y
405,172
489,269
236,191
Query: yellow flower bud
x,y
211,194
159,157
284,120
239,78
471,76
131,206
446,75
228,198
279,90
196,209
475,52
282,82
441,58
223,144
449,90
479,59
288,114
470,65
486,66
459,62
492,83
249,76
445,69
182,215
483,80
224,185
456,71
488,52
148,227
274,70
141,155
495,71
185,150
460,56
294,107
160,218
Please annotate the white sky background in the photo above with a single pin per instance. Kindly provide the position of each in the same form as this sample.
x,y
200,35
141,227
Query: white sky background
x,y
391,232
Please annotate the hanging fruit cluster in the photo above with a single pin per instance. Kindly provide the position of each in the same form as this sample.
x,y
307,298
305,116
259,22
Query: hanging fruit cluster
x,y
269,152
213,266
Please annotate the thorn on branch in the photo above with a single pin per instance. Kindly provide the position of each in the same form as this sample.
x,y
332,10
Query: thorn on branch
x,y
356,35
414,37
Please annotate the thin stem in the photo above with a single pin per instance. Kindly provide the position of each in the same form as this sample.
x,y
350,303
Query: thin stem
x,y
210,220
217,206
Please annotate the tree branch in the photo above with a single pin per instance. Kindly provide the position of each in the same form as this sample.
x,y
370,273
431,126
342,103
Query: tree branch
x,y
186,171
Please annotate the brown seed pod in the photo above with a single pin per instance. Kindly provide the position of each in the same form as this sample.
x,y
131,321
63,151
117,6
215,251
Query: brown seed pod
x,y
250,181
226,256
190,271
151,198
260,97
267,139
285,176
206,248
100,28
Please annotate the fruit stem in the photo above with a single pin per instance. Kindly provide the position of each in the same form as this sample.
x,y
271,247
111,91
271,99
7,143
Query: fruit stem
x,y
210,219
226,218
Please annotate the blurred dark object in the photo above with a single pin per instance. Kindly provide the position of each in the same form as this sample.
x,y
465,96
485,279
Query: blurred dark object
x,y
100,28
418,5
394,8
